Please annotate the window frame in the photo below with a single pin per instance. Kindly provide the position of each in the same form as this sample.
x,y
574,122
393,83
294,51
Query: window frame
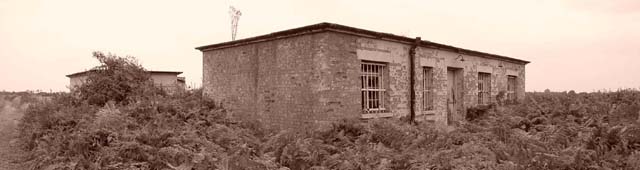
x,y
484,88
428,92
373,93
512,84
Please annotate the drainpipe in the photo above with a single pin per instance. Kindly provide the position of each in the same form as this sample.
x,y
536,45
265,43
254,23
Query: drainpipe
x,y
412,80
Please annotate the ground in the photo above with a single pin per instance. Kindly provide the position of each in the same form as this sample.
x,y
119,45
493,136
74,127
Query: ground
x,y
10,113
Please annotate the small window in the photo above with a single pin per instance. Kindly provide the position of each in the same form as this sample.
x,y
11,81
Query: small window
x,y
484,88
511,89
373,87
427,84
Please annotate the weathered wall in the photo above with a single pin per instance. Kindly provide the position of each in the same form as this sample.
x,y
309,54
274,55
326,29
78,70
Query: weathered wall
x,y
338,71
396,56
229,77
286,82
440,60
315,78
77,81
165,80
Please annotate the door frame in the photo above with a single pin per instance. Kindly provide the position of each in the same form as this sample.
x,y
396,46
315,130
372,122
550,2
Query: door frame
x,y
455,94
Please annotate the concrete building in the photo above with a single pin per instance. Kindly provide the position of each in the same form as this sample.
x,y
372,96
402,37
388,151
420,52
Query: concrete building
x,y
326,72
165,79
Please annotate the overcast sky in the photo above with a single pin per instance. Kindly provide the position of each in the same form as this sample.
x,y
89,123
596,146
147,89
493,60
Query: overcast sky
x,y
581,45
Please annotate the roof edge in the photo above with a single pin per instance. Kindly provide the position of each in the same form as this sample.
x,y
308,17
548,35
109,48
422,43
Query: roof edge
x,y
325,26
84,72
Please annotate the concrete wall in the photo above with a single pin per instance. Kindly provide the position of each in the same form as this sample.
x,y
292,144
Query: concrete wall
x,y
315,78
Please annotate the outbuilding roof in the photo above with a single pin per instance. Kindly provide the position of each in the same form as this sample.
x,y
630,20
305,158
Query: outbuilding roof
x,y
322,27
152,72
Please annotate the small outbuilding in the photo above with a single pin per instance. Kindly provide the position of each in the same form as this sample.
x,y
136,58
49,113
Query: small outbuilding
x,y
325,72
168,80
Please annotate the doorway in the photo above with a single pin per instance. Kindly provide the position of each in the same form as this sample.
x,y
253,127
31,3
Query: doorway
x,y
455,94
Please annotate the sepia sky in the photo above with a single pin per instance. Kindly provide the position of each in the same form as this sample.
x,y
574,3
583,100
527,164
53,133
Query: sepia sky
x,y
582,45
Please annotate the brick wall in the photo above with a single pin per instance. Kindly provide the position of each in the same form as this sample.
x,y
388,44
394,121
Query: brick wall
x,y
288,82
440,60
314,78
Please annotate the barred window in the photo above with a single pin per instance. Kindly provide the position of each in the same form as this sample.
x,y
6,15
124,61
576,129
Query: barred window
x,y
511,89
373,87
484,88
427,84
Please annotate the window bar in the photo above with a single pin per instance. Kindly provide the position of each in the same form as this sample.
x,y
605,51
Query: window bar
x,y
366,87
374,93
371,86
377,101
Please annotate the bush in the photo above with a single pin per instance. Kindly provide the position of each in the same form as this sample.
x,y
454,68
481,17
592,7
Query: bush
x,y
125,125
474,113
118,79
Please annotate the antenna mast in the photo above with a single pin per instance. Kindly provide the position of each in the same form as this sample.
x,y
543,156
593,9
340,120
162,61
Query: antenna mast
x,y
235,16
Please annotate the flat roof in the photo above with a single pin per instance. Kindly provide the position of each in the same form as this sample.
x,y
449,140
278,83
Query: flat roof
x,y
152,72
322,27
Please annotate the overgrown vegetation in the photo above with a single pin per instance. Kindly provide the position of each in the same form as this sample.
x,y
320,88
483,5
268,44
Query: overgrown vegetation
x,y
118,79
111,124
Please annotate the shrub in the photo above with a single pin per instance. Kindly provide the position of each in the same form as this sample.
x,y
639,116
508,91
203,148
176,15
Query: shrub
x,y
147,129
474,113
118,79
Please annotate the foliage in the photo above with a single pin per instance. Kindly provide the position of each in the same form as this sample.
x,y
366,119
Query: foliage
x,y
546,131
118,79
149,130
